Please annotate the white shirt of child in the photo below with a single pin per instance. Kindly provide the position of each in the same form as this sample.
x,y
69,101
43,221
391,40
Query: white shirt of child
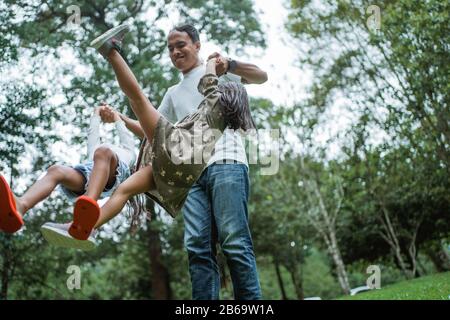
x,y
125,152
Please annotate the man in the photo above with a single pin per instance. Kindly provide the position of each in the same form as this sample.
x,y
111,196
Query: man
x,y
216,208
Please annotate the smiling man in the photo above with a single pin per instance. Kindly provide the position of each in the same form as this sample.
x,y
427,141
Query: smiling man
x,y
216,208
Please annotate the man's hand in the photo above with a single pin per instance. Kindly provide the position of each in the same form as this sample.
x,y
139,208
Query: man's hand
x,y
248,72
108,114
221,63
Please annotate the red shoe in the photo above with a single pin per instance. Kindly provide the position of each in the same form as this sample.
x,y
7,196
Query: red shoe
x,y
10,219
85,216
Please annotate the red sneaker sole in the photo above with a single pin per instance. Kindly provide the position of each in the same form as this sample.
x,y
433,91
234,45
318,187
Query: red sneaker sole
x,y
85,216
10,219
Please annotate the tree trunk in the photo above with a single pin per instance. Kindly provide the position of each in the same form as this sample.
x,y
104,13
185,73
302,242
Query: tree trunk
x,y
5,280
413,249
325,224
440,258
391,238
298,283
444,256
339,263
280,280
413,260
6,267
7,254
160,274
330,239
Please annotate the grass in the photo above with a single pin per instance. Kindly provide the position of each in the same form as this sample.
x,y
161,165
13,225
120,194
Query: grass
x,y
432,287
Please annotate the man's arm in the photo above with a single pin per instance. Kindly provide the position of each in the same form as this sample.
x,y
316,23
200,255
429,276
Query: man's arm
x,y
248,72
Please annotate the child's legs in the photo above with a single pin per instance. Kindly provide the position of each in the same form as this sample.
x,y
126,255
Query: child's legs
x,y
143,109
140,182
103,173
41,189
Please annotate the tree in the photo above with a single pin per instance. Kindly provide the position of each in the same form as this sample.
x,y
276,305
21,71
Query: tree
x,y
23,110
393,83
322,211
403,205
394,78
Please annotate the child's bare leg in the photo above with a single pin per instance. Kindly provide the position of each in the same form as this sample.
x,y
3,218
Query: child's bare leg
x,y
140,182
41,189
103,172
143,109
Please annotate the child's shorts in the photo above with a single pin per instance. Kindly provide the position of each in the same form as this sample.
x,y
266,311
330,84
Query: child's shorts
x,y
122,173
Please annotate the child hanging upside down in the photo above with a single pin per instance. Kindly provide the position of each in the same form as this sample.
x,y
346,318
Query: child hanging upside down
x,y
107,166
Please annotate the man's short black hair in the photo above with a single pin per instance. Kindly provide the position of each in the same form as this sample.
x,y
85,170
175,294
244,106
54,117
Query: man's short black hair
x,y
190,30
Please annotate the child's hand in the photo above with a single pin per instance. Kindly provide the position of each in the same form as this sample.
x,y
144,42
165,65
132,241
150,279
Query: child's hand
x,y
221,63
109,115
98,110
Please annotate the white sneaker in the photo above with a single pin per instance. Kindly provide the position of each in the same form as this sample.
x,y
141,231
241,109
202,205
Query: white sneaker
x,y
58,235
110,39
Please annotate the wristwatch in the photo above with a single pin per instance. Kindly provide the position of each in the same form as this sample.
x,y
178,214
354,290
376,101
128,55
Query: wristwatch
x,y
232,64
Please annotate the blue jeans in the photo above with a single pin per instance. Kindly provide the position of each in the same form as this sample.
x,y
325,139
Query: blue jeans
x,y
216,210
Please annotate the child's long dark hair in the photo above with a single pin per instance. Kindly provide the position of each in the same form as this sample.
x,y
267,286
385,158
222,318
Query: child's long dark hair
x,y
136,205
234,99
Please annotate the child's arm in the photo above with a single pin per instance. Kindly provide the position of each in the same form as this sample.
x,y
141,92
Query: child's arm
x,y
125,137
208,83
211,66
132,125
109,115
93,139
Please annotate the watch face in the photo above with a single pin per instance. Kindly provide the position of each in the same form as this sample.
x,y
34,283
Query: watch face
x,y
233,65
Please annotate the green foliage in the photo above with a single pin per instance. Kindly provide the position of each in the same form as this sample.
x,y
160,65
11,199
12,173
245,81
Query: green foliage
x,y
393,83
433,287
318,274
394,79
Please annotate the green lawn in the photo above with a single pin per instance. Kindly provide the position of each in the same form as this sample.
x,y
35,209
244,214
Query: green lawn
x,y
432,287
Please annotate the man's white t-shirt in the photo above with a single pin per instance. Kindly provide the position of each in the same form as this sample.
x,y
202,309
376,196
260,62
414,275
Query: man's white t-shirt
x,y
184,98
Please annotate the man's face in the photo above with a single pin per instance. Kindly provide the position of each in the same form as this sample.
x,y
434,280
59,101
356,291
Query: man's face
x,y
183,52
